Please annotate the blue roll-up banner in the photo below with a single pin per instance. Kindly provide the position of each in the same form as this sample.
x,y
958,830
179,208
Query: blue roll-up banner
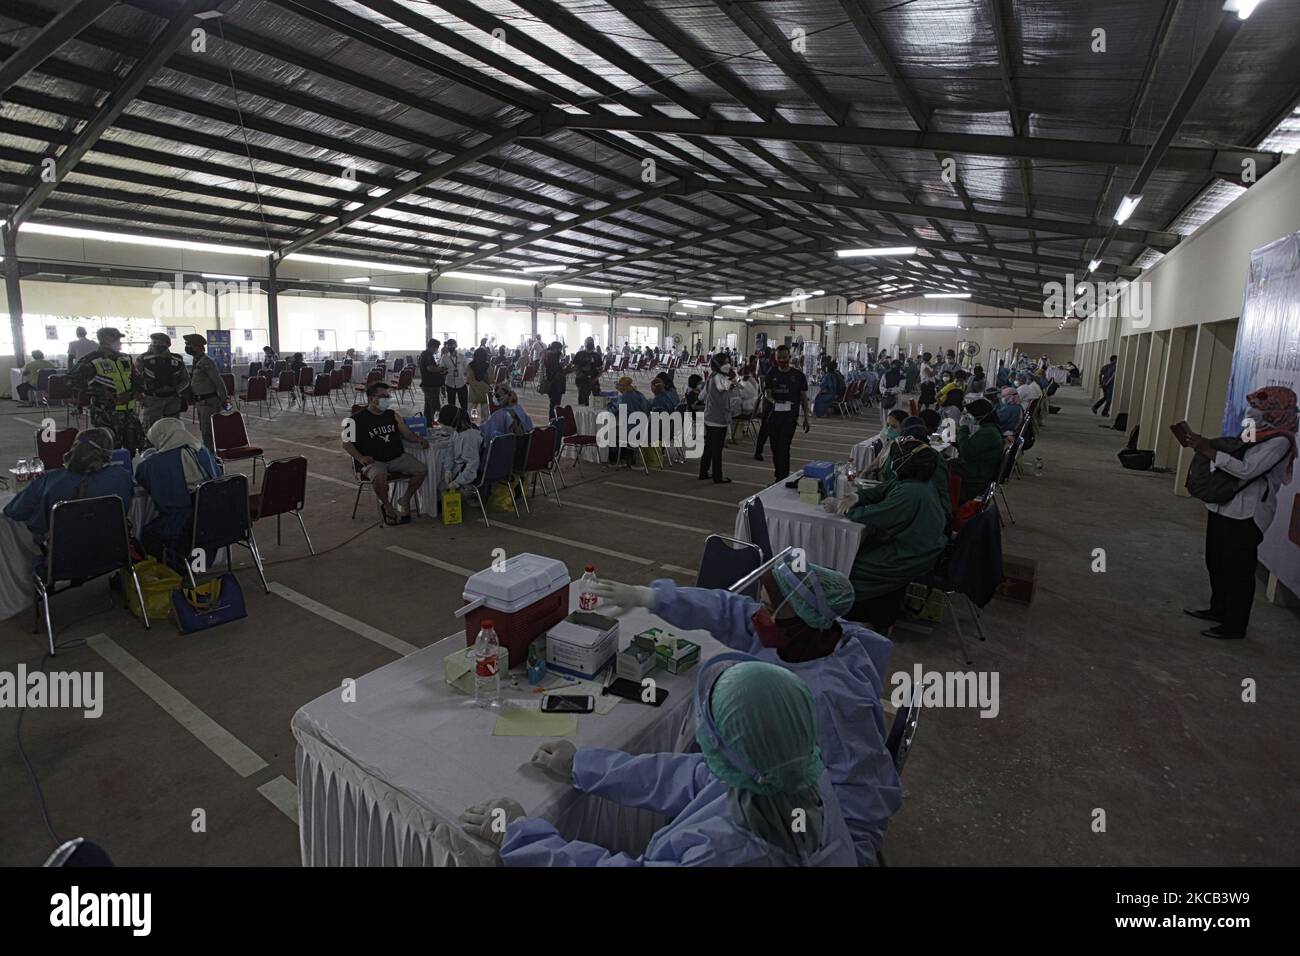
x,y
1268,353
219,347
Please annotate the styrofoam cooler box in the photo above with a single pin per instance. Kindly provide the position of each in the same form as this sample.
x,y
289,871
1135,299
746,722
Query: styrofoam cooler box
x,y
523,599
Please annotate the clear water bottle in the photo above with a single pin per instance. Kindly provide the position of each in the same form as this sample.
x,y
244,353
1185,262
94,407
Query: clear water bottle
x,y
487,667
1038,466
587,599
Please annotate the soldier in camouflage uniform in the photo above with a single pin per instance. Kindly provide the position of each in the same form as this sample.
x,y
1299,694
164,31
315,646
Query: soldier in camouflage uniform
x,y
106,377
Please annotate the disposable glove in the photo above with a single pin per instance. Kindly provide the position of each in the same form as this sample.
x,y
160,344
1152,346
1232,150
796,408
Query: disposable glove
x,y
485,822
556,758
624,596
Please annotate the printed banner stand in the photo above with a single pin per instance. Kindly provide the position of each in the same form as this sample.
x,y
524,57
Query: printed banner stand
x,y
219,347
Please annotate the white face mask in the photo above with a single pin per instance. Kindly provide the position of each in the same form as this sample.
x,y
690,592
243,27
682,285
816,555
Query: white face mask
x,y
726,369
385,404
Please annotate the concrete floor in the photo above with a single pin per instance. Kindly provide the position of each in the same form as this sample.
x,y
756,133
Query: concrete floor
x,y
1109,697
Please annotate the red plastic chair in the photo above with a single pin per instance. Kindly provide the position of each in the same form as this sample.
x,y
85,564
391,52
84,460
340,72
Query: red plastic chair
x,y
284,492
336,379
286,383
374,375
51,452
228,380
231,438
404,382
320,394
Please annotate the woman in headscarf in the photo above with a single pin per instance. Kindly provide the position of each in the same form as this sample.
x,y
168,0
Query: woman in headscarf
x,y
884,444
1009,413
478,379
904,534
466,448
1235,528
979,453
87,472
915,430
756,795
509,418
797,624
176,465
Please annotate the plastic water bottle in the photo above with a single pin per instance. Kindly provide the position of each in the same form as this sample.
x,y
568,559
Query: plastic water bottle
x,y
587,599
1038,466
487,667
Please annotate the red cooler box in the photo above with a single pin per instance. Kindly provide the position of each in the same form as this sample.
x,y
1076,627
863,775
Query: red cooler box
x,y
525,597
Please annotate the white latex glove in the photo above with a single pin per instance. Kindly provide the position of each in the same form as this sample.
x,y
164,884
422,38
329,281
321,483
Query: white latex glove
x,y
556,758
623,596
488,821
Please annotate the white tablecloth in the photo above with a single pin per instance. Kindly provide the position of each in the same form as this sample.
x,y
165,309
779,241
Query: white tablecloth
x,y
436,459
584,416
377,776
17,552
829,540
862,455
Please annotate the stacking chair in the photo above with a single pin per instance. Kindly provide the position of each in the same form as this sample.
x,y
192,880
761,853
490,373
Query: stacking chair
x,y
903,729
51,452
347,374
393,477
228,380
336,379
405,383
254,368
726,560
256,391
398,364
952,573
756,519
284,491
41,395
539,458
222,520
285,383
571,438
88,538
374,375
495,466
280,366
306,381
1004,473
320,394
231,438
58,394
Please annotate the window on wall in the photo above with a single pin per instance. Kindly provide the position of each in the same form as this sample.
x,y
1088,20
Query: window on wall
x,y
643,335
401,324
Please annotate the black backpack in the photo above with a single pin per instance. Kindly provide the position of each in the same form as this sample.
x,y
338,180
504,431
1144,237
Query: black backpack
x,y
1218,487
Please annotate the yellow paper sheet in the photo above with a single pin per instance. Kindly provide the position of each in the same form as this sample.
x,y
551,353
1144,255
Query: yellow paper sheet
x,y
533,723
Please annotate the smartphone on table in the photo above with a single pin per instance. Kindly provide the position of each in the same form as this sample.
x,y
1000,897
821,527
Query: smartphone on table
x,y
633,690
568,704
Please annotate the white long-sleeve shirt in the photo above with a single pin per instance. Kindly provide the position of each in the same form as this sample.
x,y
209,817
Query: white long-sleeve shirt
x,y
466,450
453,366
1257,500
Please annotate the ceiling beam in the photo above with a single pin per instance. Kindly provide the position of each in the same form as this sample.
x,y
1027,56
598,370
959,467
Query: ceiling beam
x,y
979,144
119,98
65,25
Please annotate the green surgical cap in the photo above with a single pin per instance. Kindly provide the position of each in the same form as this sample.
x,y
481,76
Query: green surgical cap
x,y
765,714
836,590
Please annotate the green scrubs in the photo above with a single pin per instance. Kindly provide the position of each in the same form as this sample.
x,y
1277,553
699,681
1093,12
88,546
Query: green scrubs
x,y
904,536
939,479
979,457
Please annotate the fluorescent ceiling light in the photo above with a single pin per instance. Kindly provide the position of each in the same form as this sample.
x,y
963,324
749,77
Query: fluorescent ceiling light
x,y
946,295
830,321
544,268
872,305
132,239
480,277
899,319
750,321
727,298
680,313
1242,8
1092,266
383,288
1126,207
580,288
938,321
358,279
632,308
699,305
882,251
736,308
647,295
218,275
356,263
789,298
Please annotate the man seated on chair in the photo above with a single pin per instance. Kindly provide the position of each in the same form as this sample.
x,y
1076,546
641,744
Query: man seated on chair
x,y
378,433
87,472
177,464
31,376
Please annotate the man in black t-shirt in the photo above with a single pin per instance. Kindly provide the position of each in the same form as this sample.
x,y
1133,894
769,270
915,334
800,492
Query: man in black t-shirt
x,y
786,392
587,365
376,447
431,380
